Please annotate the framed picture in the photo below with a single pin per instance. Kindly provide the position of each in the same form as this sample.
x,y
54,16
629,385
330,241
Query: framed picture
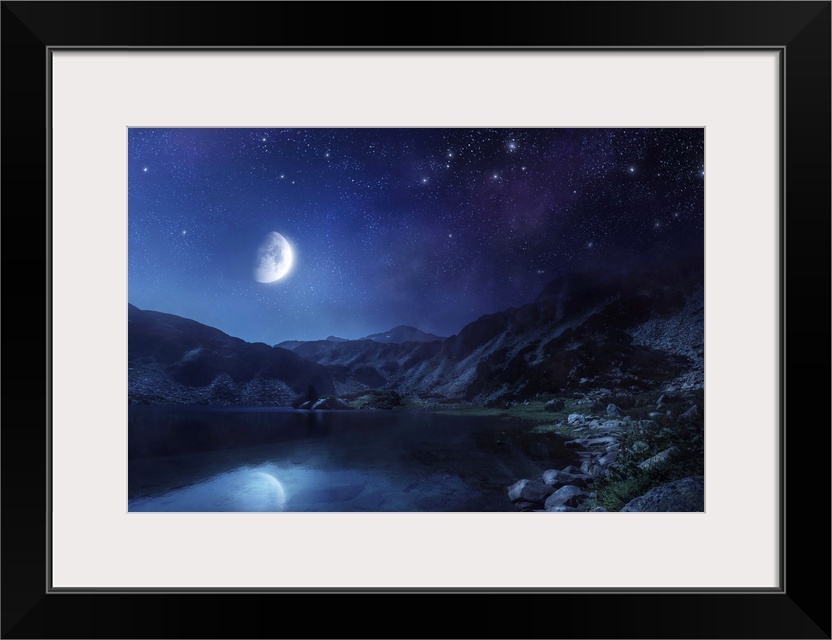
x,y
81,79
456,319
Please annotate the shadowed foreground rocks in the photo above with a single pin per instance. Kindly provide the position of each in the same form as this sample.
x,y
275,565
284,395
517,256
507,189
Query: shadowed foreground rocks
x,y
687,494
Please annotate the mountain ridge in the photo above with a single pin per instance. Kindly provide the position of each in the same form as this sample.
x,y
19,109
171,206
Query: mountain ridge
x,y
177,360
626,331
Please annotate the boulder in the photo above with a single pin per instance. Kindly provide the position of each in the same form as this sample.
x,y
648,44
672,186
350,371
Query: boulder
x,y
690,414
558,479
658,461
567,496
330,403
588,443
613,410
609,426
576,418
687,494
532,491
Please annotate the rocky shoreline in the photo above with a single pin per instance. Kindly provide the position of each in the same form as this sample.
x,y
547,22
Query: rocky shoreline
x,y
619,454
611,447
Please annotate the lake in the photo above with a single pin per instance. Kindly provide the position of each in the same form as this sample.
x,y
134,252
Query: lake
x,y
279,459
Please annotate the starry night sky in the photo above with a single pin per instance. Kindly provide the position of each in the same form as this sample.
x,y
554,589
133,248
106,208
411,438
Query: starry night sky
x,y
424,227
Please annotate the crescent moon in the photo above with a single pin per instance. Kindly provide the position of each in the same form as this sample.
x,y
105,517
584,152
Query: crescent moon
x,y
274,258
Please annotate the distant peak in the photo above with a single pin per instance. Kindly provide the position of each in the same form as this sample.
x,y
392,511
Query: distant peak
x,y
403,333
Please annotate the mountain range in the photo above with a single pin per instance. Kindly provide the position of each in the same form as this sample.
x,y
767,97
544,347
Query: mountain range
x,y
624,330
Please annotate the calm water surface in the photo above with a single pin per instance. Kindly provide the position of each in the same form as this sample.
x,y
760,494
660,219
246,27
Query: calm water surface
x,y
277,459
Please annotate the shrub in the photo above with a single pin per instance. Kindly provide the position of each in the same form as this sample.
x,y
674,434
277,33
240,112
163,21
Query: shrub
x,y
626,480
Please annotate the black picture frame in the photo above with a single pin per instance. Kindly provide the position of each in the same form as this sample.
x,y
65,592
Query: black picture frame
x,y
800,31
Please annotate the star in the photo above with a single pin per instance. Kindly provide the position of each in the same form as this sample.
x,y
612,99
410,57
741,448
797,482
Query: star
x,y
533,222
